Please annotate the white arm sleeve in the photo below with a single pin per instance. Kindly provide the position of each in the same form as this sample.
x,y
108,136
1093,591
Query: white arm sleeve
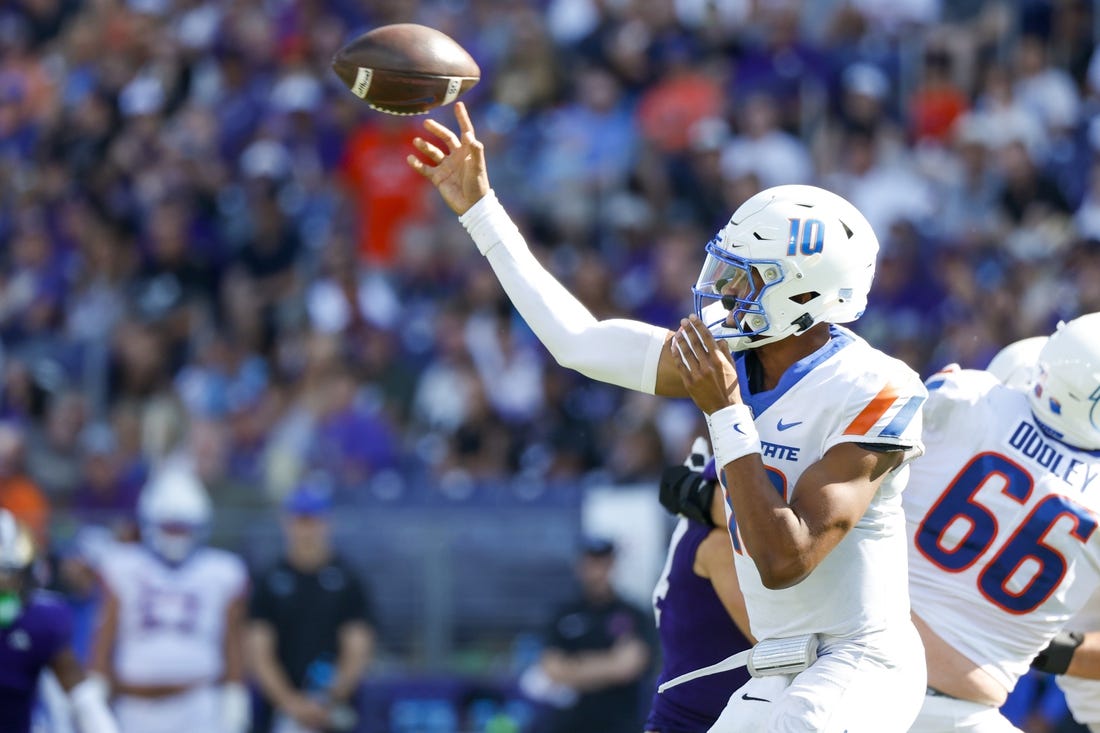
x,y
617,351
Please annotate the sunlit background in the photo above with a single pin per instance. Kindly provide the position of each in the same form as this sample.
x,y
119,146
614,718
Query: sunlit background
x,y
212,253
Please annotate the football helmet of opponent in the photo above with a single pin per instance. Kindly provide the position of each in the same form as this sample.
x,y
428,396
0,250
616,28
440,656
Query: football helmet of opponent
x,y
36,636
811,428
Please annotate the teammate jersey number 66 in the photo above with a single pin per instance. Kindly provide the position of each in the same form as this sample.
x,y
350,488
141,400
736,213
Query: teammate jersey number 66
x,y
1027,567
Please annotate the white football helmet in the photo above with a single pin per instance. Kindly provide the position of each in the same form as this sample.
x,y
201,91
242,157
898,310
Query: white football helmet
x,y
1066,396
174,512
784,245
1017,364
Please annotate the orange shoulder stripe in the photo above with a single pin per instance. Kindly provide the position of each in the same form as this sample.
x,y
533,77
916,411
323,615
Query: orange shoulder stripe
x,y
874,410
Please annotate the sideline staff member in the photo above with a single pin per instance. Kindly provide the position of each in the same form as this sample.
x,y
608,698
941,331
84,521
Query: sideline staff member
x,y
311,630
601,647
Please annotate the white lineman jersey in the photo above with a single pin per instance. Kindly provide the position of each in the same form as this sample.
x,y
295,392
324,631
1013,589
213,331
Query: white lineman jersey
x,y
1002,519
171,623
846,392
1082,695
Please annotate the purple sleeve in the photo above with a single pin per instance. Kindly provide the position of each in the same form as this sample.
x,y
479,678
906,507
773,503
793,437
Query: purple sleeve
x,y
58,626
710,471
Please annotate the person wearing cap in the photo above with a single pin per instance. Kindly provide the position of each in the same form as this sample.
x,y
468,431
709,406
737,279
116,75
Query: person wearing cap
x,y
308,673
597,653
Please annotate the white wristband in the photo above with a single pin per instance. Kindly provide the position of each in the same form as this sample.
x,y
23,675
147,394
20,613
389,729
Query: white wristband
x,y
488,223
732,434
89,704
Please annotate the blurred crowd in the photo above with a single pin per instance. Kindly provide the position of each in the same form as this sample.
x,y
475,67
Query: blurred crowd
x,y
211,252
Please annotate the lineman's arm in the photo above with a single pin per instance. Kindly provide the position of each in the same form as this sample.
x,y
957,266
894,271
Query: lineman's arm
x,y
1072,653
785,541
595,670
625,353
714,561
88,695
1086,658
356,641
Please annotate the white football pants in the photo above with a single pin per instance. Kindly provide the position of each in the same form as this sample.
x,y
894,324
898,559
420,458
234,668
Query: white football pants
x,y
190,712
871,685
942,714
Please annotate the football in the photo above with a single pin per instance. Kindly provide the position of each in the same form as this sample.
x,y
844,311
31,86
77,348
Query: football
x,y
406,69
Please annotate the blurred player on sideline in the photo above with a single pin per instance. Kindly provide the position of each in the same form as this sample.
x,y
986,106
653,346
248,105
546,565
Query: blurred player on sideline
x,y
697,590
810,425
35,636
170,636
1002,511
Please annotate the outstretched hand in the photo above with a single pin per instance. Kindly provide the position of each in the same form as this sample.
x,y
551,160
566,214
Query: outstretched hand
x,y
704,366
459,174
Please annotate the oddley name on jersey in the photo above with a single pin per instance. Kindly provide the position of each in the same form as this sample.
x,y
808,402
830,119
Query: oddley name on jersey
x,y
1004,550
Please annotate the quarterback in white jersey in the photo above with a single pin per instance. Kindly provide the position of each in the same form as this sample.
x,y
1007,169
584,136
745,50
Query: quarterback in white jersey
x,y
1002,514
170,640
812,429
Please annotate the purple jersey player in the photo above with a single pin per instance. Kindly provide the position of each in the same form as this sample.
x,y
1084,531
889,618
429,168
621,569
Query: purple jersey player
x,y
697,590
35,630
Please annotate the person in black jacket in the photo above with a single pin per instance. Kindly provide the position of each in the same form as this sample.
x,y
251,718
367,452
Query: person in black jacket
x,y
311,629
598,651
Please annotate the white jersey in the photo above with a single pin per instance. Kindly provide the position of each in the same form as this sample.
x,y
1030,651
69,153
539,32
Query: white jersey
x,y
846,392
1002,519
171,623
1082,695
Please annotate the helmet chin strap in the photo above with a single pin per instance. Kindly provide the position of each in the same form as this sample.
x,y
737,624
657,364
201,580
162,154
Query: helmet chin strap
x,y
738,342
